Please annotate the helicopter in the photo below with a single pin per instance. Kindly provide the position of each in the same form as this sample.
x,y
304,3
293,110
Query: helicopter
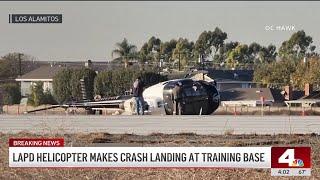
x,y
199,98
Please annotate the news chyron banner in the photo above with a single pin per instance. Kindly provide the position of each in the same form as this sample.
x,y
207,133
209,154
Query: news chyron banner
x,y
283,161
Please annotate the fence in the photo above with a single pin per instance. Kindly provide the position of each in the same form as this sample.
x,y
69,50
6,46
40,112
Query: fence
x,y
267,110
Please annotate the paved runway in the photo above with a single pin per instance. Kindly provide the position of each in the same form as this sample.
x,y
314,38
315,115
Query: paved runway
x,y
144,125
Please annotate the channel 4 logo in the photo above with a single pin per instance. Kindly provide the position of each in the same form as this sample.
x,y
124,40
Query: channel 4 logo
x,y
290,157
35,18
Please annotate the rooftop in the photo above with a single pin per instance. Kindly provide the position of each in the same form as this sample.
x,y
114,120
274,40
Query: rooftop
x,y
238,75
43,72
227,75
47,70
246,94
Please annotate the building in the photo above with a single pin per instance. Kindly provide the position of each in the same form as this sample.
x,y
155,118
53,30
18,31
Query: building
x,y
227,79
48,70
43,74
247,97
306,98
230,84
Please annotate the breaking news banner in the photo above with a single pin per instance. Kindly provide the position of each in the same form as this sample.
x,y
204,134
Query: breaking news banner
x,y
52,153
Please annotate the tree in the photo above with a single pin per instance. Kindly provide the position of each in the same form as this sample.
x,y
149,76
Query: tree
x,y
10,66
298,46
150,51
167,49
254,50
238,55
202,45
268,54
307,72
299,76
217,39
225,50
288,72
144,54
312,75
261,74
261,54
11,93
183,52
125,51
275,74
154,44
209,43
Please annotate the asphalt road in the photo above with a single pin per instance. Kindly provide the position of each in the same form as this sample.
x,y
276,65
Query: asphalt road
x,y
144,125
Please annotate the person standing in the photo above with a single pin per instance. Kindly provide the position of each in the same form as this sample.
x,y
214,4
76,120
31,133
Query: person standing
x,y
137,94
177,98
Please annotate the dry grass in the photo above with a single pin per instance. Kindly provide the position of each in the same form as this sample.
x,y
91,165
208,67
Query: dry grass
x,y
185,139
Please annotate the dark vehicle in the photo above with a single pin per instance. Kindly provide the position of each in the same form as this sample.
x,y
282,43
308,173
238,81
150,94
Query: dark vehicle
x,y
198,97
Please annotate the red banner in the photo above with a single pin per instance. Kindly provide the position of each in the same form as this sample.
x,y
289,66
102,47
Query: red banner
x,y
36,142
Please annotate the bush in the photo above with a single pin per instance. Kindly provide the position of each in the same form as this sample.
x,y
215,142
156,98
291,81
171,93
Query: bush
x,y
88,75
36,95
39,97
67,87
48,98
116,82
11,93
62,85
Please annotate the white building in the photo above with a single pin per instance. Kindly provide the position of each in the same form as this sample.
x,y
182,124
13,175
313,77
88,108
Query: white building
x,y
43,74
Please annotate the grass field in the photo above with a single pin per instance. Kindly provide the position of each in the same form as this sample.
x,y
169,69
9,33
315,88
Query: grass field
x,y
104,139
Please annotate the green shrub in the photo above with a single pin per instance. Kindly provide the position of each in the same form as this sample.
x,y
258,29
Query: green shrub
x,y
66,84
116,82
38,96
11,93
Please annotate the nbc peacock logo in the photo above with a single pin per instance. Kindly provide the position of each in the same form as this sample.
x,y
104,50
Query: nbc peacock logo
x,y
297,163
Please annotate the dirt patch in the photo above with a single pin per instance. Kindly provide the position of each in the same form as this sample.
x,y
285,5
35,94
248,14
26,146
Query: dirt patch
x,y
185,139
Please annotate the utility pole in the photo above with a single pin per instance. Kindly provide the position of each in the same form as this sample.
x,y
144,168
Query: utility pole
x,y
20,71
179,61
201,60
159,64
202,68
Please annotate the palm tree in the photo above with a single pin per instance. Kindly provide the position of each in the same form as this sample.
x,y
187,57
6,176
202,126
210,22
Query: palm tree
x,y
125,51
